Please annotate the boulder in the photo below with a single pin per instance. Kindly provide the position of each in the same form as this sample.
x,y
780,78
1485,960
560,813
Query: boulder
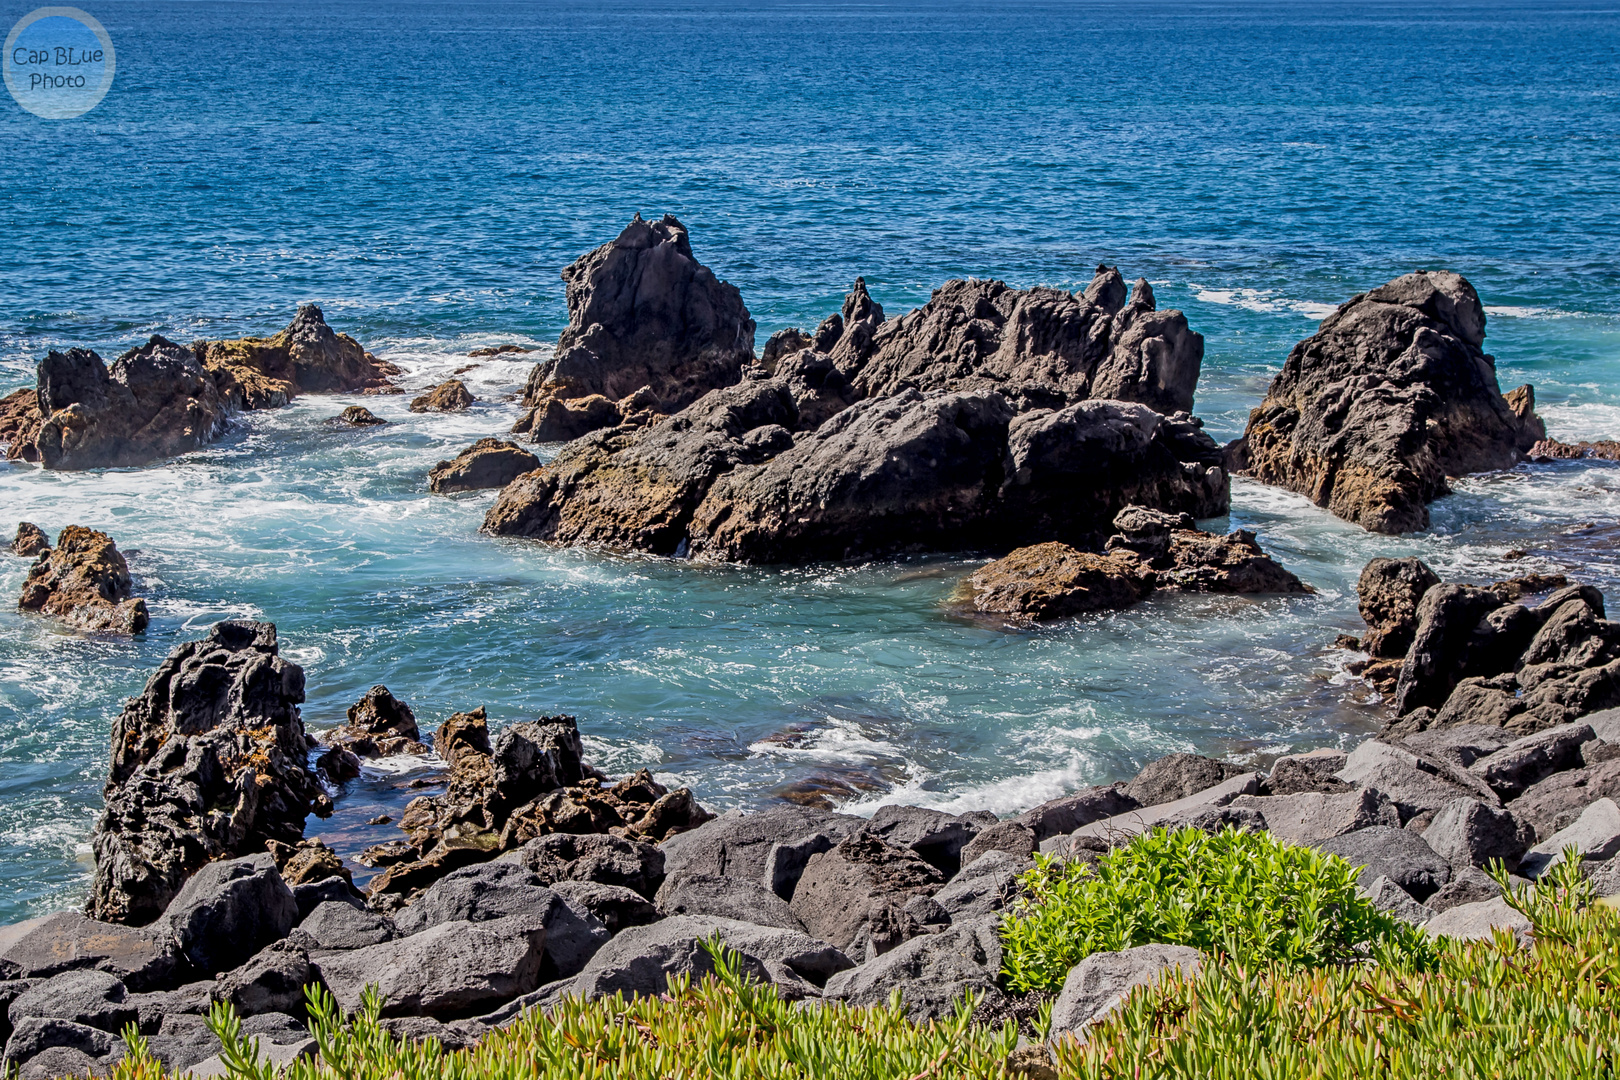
x,y
1416,785
307,862
447,971
1447,618
1012,837
932,973
272,981
272,1056
1466,832
1387,595
987,884
19,425
1121,827
451,395
1097,985
1206,562
308,357
1040,347
1546,450
1055,581
335,889
1398,854
643,312
31,541
379,725
1477,921
1557,801
143,959
1595,834
566,419
854,895
84,582
229,910
1459,746
487,463
33,1037
208,762
456,1035
57,1061
1176,776
336,925
1061,816
360,416
156,401
741,845
1515,767
1310,816
92,998
614,906
597,859
726,898
934,835
1389,897
1390,396
1314,771
1468,885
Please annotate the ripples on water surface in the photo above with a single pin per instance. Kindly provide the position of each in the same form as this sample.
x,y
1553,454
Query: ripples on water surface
x,y
423,171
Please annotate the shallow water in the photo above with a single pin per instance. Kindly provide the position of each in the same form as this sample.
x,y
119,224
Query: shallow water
x,y
423,172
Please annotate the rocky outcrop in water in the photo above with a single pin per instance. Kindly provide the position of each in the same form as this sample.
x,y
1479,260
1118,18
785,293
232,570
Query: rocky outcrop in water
x,y
1152,550
84,581
379,725
642,313
487,463
156,401
360,416
19,425
308,357
30,541
1391,395
449,396
1547,450
1039,348
208,762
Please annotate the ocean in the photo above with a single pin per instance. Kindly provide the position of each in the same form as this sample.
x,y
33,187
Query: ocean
x,y
424,170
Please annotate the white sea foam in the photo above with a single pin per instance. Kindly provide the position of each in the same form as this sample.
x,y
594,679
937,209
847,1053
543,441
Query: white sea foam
x,y
1262,301
1589,421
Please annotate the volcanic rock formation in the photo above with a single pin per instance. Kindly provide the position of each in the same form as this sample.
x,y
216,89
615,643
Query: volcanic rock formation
x,y
1391,395
487,463
85,582
308,357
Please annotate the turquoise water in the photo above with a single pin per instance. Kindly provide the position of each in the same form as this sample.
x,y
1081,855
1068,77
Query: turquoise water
x,y
423,171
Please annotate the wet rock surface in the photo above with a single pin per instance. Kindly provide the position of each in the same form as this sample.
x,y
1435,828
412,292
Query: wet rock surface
x,y
84,581
360,416
308,357
449,396
20,421
379,725
1389,397
487,463
30,541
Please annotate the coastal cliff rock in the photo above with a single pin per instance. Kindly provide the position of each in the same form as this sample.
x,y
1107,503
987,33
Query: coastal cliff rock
x,y
1039,348
85,582
1152,550
308,357
1389,397
208,762
31,541
643,312
19,425
487,463
449,396
156,401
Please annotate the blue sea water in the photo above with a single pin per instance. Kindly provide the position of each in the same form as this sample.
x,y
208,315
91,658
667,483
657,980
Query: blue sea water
x,y
423,170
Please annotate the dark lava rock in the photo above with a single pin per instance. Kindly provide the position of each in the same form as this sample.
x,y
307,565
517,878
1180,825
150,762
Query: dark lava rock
x,y
1055,581
1389,397
726,898
379,725
1398,854
1447,617
1060,816
19,425
31,541
1467,832
143,959
360,416
643,312
229,910
449,396
1177,776
272,981
337,925
308,357
447,971
614,906
745,845
1205,562
854,896
85,582
208,762
487,463
593,858
934,835
1388,593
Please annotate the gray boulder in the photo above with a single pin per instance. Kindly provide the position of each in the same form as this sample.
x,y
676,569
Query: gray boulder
x,y
726,898
1178,776
447,970
276,1055
932,972
271,982
312,894
1437,661
143,959
986,885
1398,854
1471,922
1123,826
1390,897
1522,763
1059,817
1311,772
1311,816
614,906
230,910
337,925
1413,783
58,1061
92,998
1596,834
1466,832
456,1035
1556,802
854,896
934,835
1097,985
34,1035
1459,746
1468,885
785,861
605,860
1013,837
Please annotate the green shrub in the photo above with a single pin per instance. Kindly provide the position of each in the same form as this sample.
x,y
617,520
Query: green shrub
x,y
1246,895
723,1027
1489,1009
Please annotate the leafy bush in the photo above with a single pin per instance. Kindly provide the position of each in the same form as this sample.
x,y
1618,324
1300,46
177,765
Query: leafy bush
x,y
1246,895
724,1026
1489,1009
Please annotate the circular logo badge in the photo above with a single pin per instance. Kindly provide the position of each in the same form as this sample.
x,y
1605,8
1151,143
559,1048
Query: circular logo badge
x,y
58,63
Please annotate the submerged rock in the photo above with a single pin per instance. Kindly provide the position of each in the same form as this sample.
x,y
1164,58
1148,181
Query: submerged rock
x,y
308,357
1391,395
642,312
487,463
208,762
156,401
449,396
85,582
